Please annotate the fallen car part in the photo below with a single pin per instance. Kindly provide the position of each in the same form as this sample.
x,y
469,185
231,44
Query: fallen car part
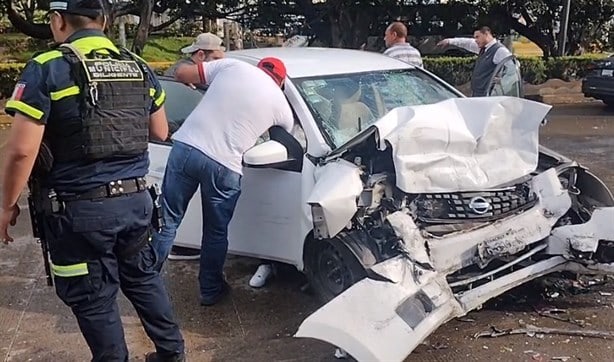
x,y
531,329
554,314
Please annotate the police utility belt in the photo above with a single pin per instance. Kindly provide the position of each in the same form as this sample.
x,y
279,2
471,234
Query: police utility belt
x,y
112,189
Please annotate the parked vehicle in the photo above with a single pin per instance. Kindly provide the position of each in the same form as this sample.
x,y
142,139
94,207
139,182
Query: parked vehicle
x,y
405,203
599,83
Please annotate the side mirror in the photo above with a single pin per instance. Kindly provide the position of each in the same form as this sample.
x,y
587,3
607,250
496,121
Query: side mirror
x,y
266,154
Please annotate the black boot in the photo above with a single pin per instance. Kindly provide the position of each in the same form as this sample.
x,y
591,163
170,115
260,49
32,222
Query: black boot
x,y
155,357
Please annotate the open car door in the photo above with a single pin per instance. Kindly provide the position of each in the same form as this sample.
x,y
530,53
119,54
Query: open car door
x,y
506,79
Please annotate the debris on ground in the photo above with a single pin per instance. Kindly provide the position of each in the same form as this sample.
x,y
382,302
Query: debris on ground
x,y
535,356
439,345
531,330
554,313
564,359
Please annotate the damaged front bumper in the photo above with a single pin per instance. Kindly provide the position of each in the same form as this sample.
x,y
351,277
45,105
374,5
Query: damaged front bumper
x,y
387,315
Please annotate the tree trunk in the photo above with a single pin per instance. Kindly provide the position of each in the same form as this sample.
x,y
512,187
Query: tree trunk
x,y
336,34
38,31
122,31
142,30
546,44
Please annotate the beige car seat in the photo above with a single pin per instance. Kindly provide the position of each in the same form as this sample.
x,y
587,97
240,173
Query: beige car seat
x,y
349,110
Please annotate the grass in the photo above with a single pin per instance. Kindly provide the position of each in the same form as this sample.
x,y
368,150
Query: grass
x,y
527,49
165,49
157,49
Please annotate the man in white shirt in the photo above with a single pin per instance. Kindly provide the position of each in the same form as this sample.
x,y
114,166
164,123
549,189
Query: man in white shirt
x,y
398,47
490,53
241,103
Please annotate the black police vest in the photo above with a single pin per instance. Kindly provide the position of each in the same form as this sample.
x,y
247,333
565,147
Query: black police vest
x,y
114,105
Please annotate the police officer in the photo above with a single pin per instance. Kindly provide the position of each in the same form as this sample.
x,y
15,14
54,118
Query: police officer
x,y
90,108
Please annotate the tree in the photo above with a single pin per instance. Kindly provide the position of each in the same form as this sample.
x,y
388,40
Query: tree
x,y
538,20
21,16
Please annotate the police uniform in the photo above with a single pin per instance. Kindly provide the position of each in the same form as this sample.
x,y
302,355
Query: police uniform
x,y
96,115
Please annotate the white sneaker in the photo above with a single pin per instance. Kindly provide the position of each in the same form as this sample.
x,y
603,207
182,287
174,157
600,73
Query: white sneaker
x,y
263,272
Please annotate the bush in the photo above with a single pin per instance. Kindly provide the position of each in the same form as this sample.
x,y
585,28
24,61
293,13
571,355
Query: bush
x,y
10,72
535,70
456,71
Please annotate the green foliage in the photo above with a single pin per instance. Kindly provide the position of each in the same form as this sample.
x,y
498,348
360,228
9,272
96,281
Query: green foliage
x,y
165,49
456,71
9,73
535,70
19,48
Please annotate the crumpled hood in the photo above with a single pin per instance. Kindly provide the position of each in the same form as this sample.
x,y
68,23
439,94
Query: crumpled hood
x,y
463,144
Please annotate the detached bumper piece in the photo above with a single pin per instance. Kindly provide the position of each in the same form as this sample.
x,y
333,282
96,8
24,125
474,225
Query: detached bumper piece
x,y
384,320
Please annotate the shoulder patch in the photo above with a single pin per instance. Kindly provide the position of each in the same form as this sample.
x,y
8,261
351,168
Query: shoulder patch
x,y
18,91
101,70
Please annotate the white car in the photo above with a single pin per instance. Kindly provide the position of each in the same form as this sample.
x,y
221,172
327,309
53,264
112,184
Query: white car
x,y
405,203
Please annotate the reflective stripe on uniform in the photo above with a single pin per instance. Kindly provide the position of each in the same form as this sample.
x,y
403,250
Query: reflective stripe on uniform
x,y
89,43
63,93
85,45
158,101
67,271
26,109
47,56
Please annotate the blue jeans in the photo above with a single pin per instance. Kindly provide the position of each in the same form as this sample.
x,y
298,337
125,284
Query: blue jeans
x,y
220,187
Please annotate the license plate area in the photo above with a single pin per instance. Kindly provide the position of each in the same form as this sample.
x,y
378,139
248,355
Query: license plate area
x,y
508,243
607,72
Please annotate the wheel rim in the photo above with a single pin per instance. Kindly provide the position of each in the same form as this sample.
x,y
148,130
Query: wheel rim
x,y
332,272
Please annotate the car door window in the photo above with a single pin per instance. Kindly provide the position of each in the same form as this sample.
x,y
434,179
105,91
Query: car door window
x,y
180,101
506,80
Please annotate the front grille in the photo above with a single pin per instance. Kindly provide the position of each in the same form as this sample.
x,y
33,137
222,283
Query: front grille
x,y
475,206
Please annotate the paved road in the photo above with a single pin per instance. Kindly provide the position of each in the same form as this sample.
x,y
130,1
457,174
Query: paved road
x,y
257,325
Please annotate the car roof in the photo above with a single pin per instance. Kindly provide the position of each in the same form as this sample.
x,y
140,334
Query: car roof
x,y
312,61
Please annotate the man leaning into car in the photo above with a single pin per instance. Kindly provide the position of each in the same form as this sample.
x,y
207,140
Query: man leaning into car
x,y
242,102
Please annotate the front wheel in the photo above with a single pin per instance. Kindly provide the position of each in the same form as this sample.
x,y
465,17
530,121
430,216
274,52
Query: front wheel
x,y
332,268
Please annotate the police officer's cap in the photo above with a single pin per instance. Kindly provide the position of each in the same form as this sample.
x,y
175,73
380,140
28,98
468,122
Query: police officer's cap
x,y
89,8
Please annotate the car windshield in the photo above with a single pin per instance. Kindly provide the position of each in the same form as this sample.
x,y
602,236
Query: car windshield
x,y
180,101
344,105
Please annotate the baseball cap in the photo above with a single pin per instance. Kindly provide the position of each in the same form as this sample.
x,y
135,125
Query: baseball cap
x,y
204,41
274,67
89,8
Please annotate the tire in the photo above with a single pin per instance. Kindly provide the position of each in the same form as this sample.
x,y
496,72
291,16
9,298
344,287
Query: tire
x,y
332,268
609,102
